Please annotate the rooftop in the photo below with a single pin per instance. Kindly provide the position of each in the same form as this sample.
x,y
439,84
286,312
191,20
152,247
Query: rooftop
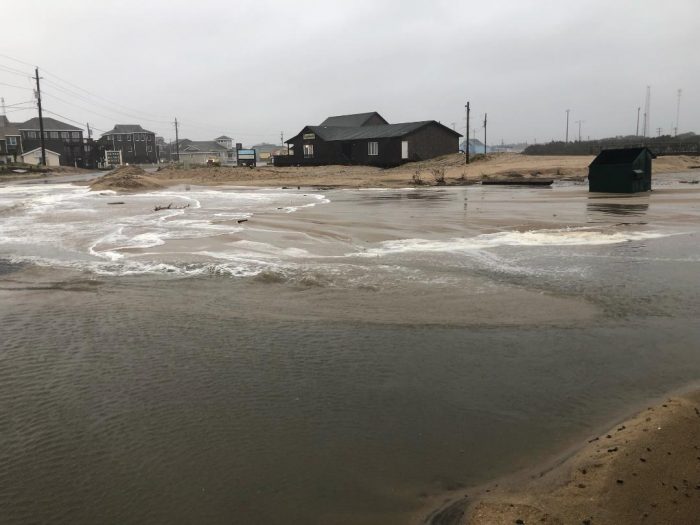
x,y
126,128
50,124
348,121
381,131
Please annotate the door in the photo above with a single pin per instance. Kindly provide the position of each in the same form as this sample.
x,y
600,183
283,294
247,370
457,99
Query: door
x,y
347,151
404,149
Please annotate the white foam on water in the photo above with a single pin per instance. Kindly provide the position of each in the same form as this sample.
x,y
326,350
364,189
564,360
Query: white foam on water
x,y
71,226
564,237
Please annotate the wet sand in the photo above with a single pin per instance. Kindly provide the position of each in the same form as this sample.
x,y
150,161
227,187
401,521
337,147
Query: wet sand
x,y
492,167
347,357
643,470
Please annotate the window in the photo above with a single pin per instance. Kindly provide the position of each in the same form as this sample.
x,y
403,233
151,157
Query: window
x,y
31,134
373,148
149,138
53,134
11,141
129,149
149,148
76,135
46,134
119,138
128,137
308,151
65,135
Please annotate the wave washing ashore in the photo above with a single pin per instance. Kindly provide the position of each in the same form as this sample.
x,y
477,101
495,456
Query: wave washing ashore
x,y
348,356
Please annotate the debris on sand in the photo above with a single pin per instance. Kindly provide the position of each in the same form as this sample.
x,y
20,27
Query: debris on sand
x,y
126,178
171,207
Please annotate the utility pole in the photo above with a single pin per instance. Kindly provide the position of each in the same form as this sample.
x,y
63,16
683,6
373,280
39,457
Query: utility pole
x,y
2,106
637,133
282,138
41,117
89,130
647,112
678,111
658,131
467,145
579,122
567,125
485,133
177,142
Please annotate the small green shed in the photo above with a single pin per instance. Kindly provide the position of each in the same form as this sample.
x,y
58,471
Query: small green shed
x,y
625,170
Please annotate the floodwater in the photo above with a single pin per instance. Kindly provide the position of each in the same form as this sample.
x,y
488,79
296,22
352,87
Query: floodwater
x,y
274,356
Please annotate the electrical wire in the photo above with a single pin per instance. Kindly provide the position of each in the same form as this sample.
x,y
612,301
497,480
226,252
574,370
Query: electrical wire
x,y
15,86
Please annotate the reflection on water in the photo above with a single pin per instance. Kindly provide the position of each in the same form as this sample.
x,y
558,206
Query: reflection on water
x,y
350,374
603,211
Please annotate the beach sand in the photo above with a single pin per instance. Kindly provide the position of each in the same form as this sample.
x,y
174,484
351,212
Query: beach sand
x,y
645,470
491,166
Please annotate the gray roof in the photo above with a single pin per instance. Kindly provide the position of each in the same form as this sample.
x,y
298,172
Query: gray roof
x,y
349,121
223,137
203,146
7,128
50,124
331,133
126,128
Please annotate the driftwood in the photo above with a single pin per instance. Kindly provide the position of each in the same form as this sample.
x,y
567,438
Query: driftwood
x,y
171,207
118,202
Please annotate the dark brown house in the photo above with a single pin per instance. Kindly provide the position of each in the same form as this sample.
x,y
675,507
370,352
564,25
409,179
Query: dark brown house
x,y
367,138
138,145
64,139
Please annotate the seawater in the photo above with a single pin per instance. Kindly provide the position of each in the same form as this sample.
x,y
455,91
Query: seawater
x,y
346,356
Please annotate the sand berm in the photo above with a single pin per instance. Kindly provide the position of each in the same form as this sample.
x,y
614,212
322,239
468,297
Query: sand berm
x,y
645,470
491,166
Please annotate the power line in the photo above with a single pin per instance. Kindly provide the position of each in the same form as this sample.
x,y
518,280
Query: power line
x,y
16,86
71,120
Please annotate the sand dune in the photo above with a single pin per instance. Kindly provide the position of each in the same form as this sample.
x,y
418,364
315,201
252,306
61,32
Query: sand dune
x,y
645,470
503,165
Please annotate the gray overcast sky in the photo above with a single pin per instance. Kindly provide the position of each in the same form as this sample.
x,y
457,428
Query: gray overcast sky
x,y
253,69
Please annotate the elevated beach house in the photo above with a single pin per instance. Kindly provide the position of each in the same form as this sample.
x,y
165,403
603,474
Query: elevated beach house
x,y
60,138
368,139
138,145
626,170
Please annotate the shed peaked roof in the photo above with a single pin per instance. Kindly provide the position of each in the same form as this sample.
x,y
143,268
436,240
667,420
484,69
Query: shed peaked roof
x,y
618,156
357,119
381,131
126,128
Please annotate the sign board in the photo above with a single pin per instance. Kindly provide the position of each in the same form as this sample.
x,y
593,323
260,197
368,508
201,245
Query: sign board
x,y
113,157
309,136
246,154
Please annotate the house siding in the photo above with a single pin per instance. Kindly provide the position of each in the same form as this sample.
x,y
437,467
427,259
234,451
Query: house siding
x,y
70,149
139,153
429,141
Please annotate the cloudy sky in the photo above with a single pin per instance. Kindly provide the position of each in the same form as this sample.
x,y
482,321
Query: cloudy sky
x,y
256,68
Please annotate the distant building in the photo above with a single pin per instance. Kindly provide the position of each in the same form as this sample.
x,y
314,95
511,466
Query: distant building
x,y
63,139
265,152
226,142
138,145
10,141
367,138
625,170
203,151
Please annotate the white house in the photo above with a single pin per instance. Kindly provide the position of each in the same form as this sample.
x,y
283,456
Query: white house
x,y
34,157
